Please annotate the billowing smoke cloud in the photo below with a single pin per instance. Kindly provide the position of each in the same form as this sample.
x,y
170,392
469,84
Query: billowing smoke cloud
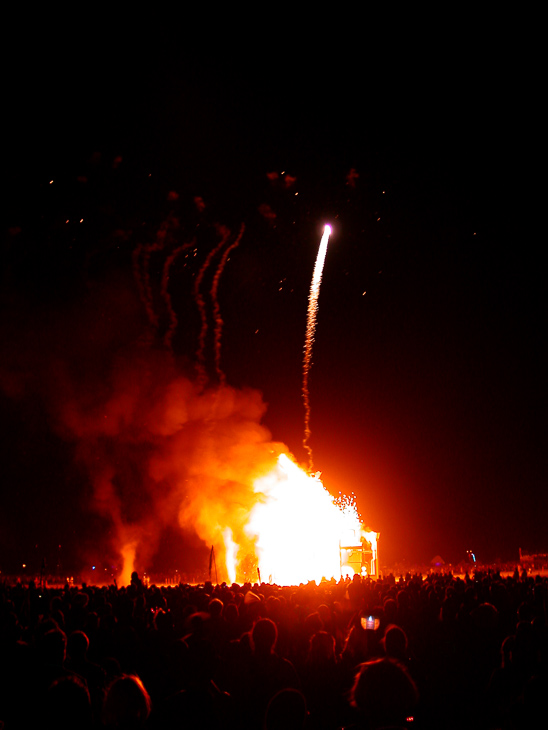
x,y
162,450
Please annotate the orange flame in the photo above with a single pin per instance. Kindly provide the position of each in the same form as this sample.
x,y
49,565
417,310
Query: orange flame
x,y
298,527
231,554
128,552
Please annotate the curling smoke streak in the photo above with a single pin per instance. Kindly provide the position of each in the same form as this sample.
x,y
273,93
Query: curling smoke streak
x,y
200,353
309,339
216,308
173,320
141,266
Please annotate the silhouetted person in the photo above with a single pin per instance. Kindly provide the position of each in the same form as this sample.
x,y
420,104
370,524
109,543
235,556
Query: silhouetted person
x,y
322,681
266,673
395,643
77,661
52,652
67,705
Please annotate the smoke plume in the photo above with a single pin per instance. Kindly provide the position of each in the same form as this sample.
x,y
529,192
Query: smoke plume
x,y
163,450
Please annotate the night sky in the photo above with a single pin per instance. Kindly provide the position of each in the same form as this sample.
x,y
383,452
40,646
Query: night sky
x,y
427,389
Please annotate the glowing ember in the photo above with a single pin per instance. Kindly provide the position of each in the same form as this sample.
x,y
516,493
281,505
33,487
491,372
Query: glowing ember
x,y
298,527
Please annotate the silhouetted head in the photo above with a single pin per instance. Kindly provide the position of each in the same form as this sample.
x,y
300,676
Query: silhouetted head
x,y
127,703
264,636
77,645
395,642
313,623
390,609
215,607
52,647
286,711
321,647
384,693
68,704
231,613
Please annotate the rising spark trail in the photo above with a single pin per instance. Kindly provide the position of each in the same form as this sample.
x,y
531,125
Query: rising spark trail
x,y
310,331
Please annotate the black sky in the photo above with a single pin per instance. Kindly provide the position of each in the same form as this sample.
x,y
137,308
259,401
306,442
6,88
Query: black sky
x,y
428,383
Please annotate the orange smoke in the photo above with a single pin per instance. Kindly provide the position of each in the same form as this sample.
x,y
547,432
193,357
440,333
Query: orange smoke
x,y
164,451
200,458
200,354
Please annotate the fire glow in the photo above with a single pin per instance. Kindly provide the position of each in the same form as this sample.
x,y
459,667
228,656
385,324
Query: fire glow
x,y
299,528
169,450
265,517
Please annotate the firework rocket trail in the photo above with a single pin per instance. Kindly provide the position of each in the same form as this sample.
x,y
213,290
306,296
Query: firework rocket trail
x,y
216,308
310,331
200,367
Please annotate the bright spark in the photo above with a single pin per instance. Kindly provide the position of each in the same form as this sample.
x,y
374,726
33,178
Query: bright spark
x,y
310,331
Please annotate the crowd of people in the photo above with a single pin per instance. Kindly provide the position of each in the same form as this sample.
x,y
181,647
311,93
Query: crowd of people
x,y
434,651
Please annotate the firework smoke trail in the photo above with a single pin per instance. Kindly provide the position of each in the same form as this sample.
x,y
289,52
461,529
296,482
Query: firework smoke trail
x,y
143,279
200,367
310,331
173,321
216,308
